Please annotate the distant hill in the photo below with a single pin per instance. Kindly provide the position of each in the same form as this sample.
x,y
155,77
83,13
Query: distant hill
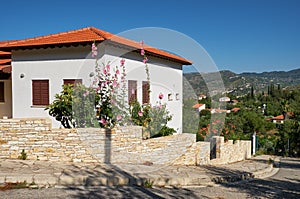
x,y
240,84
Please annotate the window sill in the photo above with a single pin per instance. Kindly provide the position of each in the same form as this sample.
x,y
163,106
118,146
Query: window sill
x,y
38,106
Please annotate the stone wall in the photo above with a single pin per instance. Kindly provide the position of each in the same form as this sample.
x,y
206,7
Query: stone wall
x,y
228,152
120,145
40,141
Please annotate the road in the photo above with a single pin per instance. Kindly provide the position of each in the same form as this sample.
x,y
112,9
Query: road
x,y
284,184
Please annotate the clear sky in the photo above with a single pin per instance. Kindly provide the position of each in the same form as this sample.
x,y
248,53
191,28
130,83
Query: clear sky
x,y
240,35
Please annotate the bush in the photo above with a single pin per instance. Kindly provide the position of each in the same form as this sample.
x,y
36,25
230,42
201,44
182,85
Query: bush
x,y
74,106
154,119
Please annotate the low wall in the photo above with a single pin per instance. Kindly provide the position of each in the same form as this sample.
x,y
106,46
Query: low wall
x,y
120,145
228,152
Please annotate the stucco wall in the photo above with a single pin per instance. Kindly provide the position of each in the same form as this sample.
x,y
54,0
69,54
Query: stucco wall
x,y
6,106
75,63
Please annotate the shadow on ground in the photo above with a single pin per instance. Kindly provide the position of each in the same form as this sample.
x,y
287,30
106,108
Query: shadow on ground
x,y
278,186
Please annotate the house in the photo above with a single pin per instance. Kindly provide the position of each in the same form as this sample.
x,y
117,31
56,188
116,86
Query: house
x,y
224,99
199,107
202,96
33,70
233,102
280,118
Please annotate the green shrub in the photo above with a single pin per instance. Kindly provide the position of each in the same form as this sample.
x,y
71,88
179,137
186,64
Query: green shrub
x,y
74,106
23,155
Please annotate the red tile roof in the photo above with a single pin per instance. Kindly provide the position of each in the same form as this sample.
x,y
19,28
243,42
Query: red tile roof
x,y
235,109
5,61
279,117
88,35
197,105
4,53
5,68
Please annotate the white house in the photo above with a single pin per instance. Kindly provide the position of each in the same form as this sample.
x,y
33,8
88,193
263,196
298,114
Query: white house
x,y
199,107
38,67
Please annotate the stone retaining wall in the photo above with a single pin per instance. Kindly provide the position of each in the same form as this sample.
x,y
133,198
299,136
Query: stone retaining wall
x,y
120,145
228,152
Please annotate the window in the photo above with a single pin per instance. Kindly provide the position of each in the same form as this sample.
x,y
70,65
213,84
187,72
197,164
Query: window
x,y
177,96
170,97
2,92
132,91
72,81
40,92
145,91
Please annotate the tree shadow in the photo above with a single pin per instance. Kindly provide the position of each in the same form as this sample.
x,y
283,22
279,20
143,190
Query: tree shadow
x,y
270,188
284,187
93,187
225,175
104,180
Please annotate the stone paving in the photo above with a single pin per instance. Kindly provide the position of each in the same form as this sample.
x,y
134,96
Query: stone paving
x,y
56,174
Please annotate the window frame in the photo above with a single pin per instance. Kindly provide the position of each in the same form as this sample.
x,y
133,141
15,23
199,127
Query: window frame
x,y
72,81
39,91
132,97
145,92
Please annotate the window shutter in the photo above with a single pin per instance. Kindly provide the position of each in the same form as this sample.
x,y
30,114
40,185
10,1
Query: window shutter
x,y
40,92
132,91
72,81
2,99
146,97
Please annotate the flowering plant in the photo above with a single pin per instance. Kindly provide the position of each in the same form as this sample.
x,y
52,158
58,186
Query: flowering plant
x,y
154,119
110,86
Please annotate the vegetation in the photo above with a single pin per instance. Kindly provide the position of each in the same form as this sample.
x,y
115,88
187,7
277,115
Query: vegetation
x,y
74,106
273,138
23,155
154,119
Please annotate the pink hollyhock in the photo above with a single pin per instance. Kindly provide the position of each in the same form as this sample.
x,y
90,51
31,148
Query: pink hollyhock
x,y
103,121
122,62
161,96
108,67
104,72
117,72
142,52
94,50
142,43
119,117
114,83
86,93
145,60
140,113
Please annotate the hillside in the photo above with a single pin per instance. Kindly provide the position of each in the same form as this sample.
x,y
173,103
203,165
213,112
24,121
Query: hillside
x,y
239,84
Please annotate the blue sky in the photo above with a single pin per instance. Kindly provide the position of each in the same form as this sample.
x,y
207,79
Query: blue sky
x,y
239,35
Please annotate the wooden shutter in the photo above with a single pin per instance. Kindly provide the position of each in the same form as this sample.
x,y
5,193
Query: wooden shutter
x,y
2,99
132,91
146,96
40,92
72,81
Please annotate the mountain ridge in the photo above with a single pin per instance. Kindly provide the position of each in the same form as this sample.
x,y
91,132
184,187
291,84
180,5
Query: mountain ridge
x,y
242,83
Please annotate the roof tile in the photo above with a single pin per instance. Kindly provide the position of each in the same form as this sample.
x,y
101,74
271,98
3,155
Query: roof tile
x,y
86,35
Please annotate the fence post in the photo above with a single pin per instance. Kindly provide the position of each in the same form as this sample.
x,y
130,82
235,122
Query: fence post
x,y
253,143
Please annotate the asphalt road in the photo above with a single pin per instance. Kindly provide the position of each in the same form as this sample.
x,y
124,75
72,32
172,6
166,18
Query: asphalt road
x,y
284,184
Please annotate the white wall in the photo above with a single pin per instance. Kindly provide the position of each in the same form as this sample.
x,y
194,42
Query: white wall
x,y
165,77
52,64
72,63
